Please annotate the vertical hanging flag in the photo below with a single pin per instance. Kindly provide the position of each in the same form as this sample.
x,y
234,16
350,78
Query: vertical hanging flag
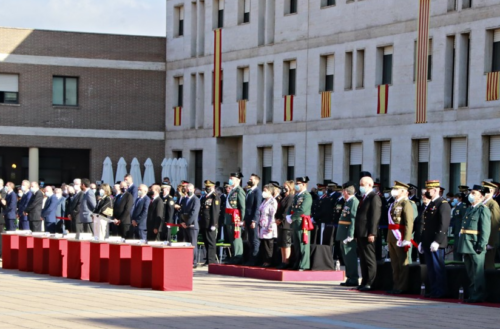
x,y
492,86
242,111
216,82
326,104
422,61
383,99
177,115
288,108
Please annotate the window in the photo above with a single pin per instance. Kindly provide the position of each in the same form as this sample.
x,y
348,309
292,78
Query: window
x,y
181,21
243,77
423,162
348,71
9,88
179,81
494,158
218,14
267,164
355,161
360,69
325,173
464,71
429,60
289,162
385,164
327,68
452,5
458,163
327,3
466,4
387,66
289,76
449,78
290,7
198,167
65,91
244,11
492,64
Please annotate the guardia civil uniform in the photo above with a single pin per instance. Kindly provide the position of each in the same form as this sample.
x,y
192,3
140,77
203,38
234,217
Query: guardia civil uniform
x,y
209,216
493,240
302,203
474,235
345,236
235,200
456,218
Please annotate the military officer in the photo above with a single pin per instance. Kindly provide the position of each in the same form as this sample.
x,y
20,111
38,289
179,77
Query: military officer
x,y
399,237
210,208
413,194
435,223
465,190
338,202
235,209
345,235
223,229
168,213
297,214
495,225
458,212
323,215
474,235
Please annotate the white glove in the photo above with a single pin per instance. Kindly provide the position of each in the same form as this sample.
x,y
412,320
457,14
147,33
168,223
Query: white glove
x,y
212,228
488,247
420,250
434,246
312,220
168,226
347,240
289,219
405,243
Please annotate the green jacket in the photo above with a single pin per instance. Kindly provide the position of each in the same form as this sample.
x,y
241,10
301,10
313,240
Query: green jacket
x,y
301,206
345,229
495,222
476,219
457,216
235,200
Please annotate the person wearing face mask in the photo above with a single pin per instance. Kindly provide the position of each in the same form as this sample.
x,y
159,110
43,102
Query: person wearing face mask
x,y
74,207
60,210
458,212
284,228
367,221
222,231
189,220
399,236
345,235
168,213
267,225
9,205
121,211
251,218
338,201
435,222
140,214
104,206
235,209
209,216
22,204
324,218
34,208
413,194
88,205
49,210
299,216
418,228
474,234
154,214
465,190
493,241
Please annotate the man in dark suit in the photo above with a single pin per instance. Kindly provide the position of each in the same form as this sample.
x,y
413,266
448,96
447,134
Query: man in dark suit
x,y
252,214
209,216
189,220
140,214
436,221
74,207
121,210
168,213
49,210
9,204
367,221
154,214
34,208
87,207
132,188
60,211
22,204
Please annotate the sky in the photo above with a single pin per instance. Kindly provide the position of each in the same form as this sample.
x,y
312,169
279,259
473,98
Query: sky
x,y
132,17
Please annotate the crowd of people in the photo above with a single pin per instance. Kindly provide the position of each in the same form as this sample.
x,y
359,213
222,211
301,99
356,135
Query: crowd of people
x,y
284,219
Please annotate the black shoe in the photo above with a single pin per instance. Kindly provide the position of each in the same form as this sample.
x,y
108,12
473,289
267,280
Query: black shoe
x,y
195,266
359,287
266,265
395,292
281,266
350,284
436,297
470,300
427,295
365,288
204,264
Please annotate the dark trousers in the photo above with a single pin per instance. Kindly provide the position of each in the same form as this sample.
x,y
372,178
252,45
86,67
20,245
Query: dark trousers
x,y
367,261
24,224
166,234
268,245
50,227
138,233
1,231
253,238
191,235
124,230
87,228
151,235
36,226
474,265
436,272
10,224
209,239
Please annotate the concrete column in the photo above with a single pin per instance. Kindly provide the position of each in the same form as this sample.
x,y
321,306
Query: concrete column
x,y
33,164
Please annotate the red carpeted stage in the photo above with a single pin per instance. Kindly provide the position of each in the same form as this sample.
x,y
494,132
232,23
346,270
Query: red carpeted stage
x,y
274,274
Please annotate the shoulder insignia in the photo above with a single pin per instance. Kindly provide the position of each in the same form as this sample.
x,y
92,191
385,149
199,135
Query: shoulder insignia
x,y
412,202
445,201
171,203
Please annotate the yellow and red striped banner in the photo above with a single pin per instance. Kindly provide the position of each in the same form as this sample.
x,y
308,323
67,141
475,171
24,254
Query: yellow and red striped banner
x,y
383,99
242,111
177,116
422,61
288,110
326,104
492,86
216,83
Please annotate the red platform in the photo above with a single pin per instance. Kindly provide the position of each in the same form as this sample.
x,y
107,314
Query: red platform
x,y
274,274
172,268
141,265
41,247
99,261
78,259
119,263
10,251
25,253
58,257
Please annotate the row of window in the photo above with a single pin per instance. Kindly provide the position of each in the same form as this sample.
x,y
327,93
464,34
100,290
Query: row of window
x,y
64,90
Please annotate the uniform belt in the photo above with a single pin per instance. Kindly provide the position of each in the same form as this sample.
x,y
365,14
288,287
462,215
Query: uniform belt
x,y
343,222
463,231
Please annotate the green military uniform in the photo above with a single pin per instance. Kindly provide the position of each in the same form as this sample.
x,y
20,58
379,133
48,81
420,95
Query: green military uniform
x,y
401,213
474,236
457,216
414,206
235,200
492,205
301,205
345,229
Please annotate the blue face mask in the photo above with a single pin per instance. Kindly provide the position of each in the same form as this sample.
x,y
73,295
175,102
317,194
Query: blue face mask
x,y
231,183
362,189
175,199
471,198
297,188
203,192
454,202
320,193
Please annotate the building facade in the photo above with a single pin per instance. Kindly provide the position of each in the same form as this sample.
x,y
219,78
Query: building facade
x,y
69,100
275,48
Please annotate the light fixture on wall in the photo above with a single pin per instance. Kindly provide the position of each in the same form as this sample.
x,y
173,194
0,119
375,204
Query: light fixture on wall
x,y
14,166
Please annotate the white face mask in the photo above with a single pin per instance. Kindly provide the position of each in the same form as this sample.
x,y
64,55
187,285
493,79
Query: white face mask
x,y
49,194
77,188
386,195
395,193
20,194
266,195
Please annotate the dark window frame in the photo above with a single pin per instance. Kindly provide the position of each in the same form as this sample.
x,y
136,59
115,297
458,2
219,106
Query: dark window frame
x,y
64,90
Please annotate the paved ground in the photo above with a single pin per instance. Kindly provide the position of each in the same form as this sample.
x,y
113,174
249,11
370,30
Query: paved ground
x,y
38,301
